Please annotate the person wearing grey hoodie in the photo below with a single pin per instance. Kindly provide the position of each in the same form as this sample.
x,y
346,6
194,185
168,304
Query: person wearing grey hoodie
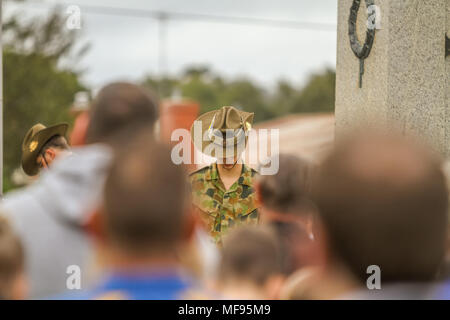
x,y
51,214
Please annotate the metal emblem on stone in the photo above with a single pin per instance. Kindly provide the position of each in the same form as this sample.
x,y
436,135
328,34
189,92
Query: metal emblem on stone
x,y
360,51
447,46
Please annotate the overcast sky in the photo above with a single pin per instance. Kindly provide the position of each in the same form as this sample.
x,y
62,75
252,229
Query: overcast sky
x,y
127,47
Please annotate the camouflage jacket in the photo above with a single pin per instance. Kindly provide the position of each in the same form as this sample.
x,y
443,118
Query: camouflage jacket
x,y
221,209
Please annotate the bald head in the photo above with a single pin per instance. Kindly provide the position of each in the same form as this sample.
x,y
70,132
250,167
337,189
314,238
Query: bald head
x,y
383,201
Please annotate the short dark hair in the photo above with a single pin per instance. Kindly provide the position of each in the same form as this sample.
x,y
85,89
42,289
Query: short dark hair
x,y
120,106
251,253
288,189
57,141
11,257
145,197
383,201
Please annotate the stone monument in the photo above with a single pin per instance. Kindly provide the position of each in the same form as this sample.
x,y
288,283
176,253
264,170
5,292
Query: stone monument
x,y
403,75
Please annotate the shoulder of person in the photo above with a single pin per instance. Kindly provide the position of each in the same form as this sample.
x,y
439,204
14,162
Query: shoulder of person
x,y
199,173
253,172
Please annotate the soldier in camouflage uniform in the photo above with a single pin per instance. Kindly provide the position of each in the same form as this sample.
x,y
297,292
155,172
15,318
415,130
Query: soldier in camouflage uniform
x,y
225,134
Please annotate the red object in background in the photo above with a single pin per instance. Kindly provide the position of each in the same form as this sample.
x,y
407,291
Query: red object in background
x,y
175,114
78,134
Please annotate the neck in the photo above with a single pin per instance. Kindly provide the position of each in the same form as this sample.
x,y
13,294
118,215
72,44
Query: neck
x,y
242,290
335,282
120,261
229,173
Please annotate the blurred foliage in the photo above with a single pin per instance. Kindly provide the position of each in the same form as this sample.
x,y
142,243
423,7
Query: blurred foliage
x,y
318,95
213,91
39,81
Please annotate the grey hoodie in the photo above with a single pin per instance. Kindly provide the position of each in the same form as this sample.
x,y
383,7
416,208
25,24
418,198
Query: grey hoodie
x,y
49,216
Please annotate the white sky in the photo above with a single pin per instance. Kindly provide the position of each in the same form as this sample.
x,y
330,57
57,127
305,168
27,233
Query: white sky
x,y
127,47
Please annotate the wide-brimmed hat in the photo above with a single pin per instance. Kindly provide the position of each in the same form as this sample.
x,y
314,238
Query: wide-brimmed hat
x,y
222,133
33,142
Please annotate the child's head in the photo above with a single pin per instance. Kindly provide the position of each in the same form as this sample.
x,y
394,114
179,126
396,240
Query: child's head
x,y
12,279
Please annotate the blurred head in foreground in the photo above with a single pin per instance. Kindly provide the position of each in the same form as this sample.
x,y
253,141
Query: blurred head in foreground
x,y
13,285
120,106
383,201
251,266
287,207
143,220
145,201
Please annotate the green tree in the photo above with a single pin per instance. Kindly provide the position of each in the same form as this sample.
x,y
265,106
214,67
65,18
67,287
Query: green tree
x,y
283,100
244,94
201,85
212,91
39,79
318,95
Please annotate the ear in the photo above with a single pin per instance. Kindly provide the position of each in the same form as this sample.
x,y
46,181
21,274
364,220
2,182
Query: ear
x,y
78,135
50,152
321,250
95,225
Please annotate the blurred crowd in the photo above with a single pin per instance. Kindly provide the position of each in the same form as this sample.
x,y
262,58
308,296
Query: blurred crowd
x,y
115,218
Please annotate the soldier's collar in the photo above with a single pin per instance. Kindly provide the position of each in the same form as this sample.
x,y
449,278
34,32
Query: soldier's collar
x,y
212,173
245,177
